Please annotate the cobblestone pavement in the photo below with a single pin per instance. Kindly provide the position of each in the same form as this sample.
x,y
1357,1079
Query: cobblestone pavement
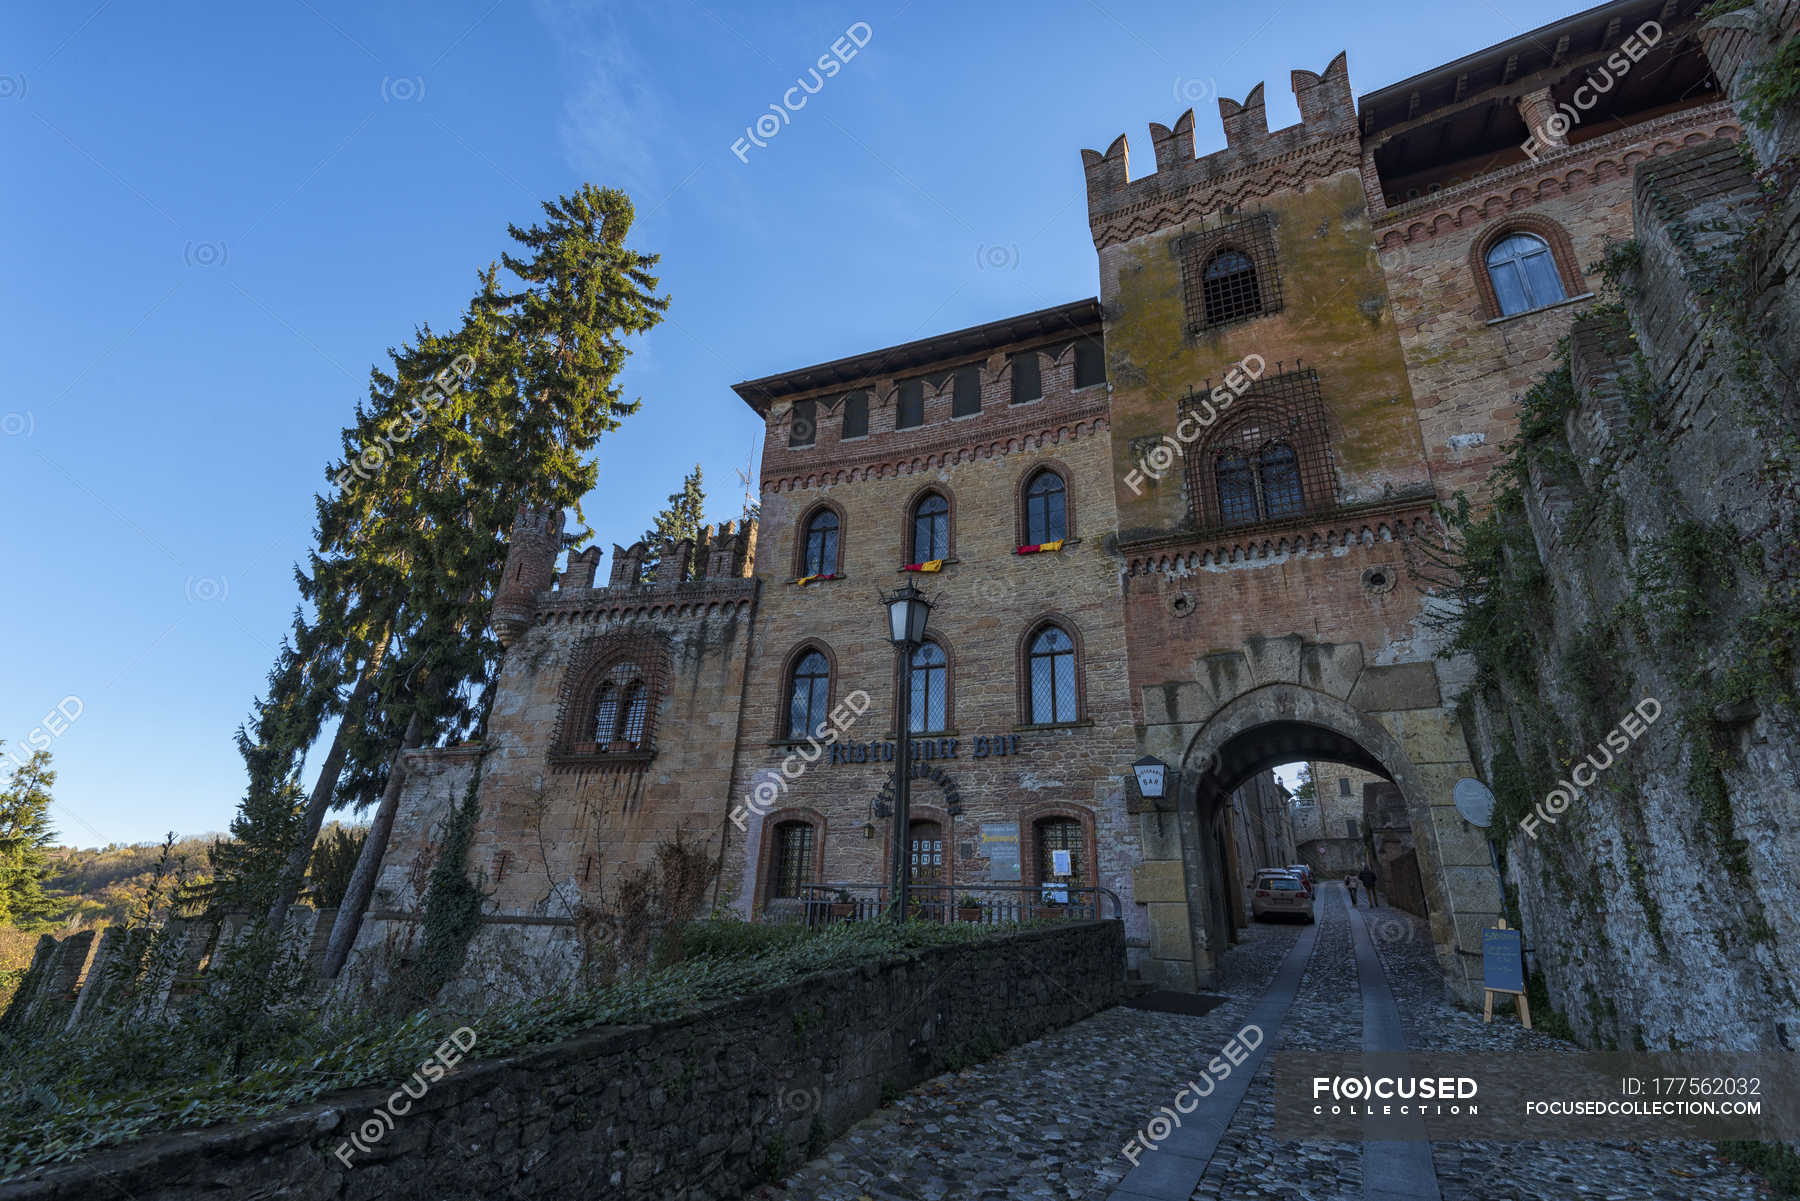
x,y
1049,1120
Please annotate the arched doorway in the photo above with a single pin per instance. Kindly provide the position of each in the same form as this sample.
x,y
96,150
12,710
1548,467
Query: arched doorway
x,y
1280,723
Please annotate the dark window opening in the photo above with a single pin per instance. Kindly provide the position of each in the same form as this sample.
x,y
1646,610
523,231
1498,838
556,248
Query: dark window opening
x,y
803,429
966,401
1230,289
1027,380
911,411
1261,488
1090,363
792,869
856,415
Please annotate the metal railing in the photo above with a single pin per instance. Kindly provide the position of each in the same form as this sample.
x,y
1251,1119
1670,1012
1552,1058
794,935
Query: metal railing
x,y
995,904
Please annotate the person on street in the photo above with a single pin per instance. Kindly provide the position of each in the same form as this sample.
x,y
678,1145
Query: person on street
x,y
1350,885
1367,876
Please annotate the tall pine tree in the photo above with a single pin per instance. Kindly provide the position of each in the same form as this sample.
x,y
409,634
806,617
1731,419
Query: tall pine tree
x,y
683,517
25,838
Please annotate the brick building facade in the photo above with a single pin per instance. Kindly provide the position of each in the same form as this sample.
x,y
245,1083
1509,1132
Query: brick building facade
x,y
1302,344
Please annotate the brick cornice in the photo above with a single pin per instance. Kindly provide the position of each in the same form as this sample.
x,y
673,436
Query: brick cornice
x,y
984,440
1387,521
1260,179
593,604
1525,184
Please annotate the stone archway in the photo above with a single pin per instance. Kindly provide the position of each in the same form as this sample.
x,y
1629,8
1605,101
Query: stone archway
x,y
1412,740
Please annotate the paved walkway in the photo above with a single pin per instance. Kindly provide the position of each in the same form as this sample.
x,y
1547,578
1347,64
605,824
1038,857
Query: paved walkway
x,y
1053,1119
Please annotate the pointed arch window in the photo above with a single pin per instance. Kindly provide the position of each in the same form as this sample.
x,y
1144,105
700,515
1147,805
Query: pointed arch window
x,y
606,713
631,716
821,555
1046,508
809,690
930,528
1052,667
929,682
1262,486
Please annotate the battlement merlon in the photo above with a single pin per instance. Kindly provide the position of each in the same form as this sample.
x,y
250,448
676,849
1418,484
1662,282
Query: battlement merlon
x,y
1327,113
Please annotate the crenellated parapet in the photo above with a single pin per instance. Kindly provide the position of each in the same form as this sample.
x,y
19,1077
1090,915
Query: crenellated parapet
x,y
1255,162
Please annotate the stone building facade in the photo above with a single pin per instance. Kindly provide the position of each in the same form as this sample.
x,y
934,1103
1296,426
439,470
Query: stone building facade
x,y
1302,344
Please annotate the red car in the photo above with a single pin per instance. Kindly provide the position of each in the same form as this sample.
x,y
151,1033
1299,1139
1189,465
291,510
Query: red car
x,y
1304,872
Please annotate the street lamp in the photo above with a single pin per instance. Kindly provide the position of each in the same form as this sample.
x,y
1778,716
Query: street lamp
x,y
908,611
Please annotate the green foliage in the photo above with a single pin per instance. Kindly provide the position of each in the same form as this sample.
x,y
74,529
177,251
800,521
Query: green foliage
x,y
1773,86
452,908
683,517
333,859
64,1097
1491,573
1776,1163
1678,576
1545,1016
25,837
1594,667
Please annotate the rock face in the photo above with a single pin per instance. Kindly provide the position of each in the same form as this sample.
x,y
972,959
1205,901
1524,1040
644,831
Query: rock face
x,y
700,1108
1648,784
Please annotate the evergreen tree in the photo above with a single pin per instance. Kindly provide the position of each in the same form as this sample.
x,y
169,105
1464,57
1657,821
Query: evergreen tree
x,y
683,517
25,837
1306,791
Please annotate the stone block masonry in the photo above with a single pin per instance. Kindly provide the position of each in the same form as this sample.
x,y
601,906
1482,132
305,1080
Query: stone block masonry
x,y
700,1108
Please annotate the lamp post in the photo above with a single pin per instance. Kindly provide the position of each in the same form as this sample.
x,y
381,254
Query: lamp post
x,y
908,611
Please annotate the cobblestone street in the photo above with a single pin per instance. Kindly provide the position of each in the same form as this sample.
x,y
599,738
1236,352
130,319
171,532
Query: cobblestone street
x,y
1052,1119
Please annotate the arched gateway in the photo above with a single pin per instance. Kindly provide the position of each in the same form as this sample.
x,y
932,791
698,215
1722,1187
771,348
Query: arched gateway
x,y
1281,700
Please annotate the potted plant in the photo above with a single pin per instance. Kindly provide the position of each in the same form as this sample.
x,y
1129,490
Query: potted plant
x,y
843,905
968,909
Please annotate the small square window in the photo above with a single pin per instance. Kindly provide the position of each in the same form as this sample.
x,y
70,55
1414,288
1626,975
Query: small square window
x,y
911,411
856,415
967,399
1090,363
1027,383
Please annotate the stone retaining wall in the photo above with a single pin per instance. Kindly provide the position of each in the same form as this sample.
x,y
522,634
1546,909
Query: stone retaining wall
x,y
696,1109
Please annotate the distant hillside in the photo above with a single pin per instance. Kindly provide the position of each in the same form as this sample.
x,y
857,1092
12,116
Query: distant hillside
x,y
100,886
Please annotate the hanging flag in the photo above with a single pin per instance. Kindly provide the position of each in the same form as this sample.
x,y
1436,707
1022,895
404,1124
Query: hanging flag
x,y
804,580
928,565
1040,546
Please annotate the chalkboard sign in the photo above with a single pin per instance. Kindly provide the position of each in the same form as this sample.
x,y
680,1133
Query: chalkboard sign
x,y
1502,961
1000,843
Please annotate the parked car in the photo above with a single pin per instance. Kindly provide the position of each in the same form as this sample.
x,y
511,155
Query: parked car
x,y
1304,872
1283,893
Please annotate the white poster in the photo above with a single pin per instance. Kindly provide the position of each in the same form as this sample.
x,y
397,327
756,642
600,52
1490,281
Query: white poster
x,y
1059,864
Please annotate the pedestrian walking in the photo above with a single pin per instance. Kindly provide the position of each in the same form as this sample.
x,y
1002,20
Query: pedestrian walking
x,y
1367,877
1350,885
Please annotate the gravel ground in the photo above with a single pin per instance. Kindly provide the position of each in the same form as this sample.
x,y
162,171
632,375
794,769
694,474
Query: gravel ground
x,y
1047,1121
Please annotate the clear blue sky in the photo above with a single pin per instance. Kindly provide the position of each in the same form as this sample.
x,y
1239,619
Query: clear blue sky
x,y
218,216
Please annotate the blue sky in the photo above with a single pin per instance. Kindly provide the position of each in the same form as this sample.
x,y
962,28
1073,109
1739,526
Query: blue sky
x,y
219,216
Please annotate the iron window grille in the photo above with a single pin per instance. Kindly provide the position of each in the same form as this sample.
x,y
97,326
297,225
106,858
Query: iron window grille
x,y
1229,272
1059,834
793,859
1267,458
621,708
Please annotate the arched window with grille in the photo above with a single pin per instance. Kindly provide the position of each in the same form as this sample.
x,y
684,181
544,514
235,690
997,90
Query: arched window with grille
x,y
1262,486
631,716
1278,481
1523,272
1237,488
1051,663
606,713
791,865
929,689
1046,508
809,689
820,556
930,528
1061,834
1230,288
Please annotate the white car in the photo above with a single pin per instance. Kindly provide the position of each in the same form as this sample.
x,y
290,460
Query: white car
x,y
1280,892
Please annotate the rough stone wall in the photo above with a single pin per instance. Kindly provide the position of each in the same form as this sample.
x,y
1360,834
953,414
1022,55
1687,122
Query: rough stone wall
x,y
987,600
1666,523
560,819
698,1109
